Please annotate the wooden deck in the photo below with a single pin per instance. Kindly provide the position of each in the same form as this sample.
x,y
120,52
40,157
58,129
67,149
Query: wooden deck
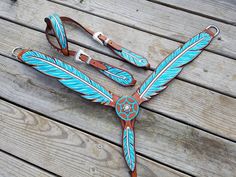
x,y
188,130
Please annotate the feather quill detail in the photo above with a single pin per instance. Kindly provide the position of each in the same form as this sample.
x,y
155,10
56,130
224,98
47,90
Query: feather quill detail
x,y
58,29
118,75
68,76
128,147
172,66
132,57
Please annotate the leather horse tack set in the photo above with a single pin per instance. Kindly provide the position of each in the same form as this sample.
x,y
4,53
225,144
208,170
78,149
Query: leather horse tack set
x,y
126,107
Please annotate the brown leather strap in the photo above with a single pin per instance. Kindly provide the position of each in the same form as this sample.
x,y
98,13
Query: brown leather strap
x,y
101,37
93,62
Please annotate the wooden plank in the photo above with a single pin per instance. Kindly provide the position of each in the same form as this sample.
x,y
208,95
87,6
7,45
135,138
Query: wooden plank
x,y
12,167
204,71
64,150
223,10
160,20
158,137
194,105
52,145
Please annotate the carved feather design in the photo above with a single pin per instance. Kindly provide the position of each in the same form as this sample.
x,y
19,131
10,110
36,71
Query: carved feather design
x,y
118,75
172,66
132,57
68,76
58,29
128,147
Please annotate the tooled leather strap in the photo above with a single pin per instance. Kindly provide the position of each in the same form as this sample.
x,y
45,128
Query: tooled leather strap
x,y
55,26
122,52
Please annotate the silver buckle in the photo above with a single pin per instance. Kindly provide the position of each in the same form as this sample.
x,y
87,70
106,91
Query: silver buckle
x,y
217,30
79,53
95,37
13,52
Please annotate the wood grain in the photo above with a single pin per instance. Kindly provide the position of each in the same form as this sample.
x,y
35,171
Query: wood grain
x,y
158,137
205,71
64,150
217,9
186,102
12,167
160,20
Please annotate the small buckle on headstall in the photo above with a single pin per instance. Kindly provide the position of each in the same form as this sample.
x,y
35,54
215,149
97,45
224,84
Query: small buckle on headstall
x,y
79,53
96,38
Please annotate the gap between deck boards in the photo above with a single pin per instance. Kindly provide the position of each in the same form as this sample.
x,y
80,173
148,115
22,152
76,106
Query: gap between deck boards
x,y
29,163
192,12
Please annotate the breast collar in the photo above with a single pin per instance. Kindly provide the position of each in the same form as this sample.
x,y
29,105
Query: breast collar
x,y
126,107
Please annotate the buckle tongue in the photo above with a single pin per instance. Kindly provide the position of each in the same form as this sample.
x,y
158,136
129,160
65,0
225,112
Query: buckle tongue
x,y
96,38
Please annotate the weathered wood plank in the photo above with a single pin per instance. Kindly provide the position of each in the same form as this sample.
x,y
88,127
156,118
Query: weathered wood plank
x,y
183,101
63,150
160,20
158,137
12,167
204,71
223,10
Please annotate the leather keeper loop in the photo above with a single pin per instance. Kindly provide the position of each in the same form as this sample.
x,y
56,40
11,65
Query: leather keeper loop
x,y
55,25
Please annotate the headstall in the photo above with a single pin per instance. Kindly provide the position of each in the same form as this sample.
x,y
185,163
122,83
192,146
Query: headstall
x,y
55,26
126,107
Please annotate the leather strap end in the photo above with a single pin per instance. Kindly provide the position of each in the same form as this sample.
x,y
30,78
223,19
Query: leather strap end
x,y
134,173
114,45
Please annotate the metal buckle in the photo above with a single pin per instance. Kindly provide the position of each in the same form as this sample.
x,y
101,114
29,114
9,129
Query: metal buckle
x,y
13,52
216,29
95,37
79,53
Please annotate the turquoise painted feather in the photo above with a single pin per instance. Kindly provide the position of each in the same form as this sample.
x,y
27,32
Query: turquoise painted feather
x,y
172,65
58,29
133,58
118,75
68,76
128,147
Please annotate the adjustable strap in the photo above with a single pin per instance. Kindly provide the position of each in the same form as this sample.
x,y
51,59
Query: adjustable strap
x,y
119,75
55,26
81,56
